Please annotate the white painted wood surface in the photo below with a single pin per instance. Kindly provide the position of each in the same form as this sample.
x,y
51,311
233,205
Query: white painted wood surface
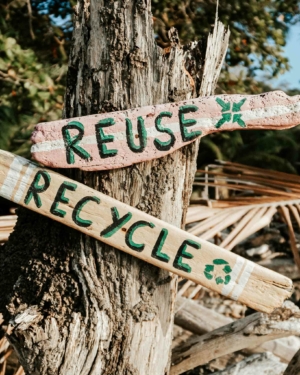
x,y
140,234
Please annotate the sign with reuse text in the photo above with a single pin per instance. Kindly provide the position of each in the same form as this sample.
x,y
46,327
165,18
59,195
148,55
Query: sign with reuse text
x,y
119,139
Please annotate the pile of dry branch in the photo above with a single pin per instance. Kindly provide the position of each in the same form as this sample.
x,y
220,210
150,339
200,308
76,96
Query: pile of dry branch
x,y
255,213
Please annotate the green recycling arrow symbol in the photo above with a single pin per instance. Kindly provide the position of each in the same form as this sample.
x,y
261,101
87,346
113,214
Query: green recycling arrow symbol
x,y
227,116
209,271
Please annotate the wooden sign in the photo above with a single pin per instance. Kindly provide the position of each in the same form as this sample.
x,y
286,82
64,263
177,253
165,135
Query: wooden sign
x,y
140,234
119,139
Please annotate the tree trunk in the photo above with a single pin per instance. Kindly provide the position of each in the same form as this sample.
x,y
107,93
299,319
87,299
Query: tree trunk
x,y
76,305
294,366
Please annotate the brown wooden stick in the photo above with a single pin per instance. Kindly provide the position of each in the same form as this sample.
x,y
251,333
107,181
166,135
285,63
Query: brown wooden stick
x,y
243,169
286,215
295,213
259,180
196,318
255,188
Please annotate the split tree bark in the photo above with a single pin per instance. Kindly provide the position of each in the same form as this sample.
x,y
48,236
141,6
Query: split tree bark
x,y
77,306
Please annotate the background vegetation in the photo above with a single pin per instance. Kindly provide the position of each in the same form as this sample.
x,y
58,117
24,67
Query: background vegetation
x,y
35,38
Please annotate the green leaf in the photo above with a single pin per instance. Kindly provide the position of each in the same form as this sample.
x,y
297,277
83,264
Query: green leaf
x,y
219,280
227,269
209,268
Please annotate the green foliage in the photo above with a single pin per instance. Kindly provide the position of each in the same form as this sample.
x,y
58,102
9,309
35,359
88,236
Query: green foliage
x,y
258,29
31,74
277,150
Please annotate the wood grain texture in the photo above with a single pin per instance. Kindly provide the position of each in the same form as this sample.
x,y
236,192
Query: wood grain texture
x,y
192,316
294,366
119,139
262,364
251,331
140,234
114,311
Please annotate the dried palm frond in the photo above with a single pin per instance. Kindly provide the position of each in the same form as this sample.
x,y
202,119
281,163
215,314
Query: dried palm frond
x,y
252,197
237,201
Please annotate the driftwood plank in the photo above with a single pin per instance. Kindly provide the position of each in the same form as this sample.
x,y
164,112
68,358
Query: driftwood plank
x,y
248,332
262,364
139,234
118,139
198,319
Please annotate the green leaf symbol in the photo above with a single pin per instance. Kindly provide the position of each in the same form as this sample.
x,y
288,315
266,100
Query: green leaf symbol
x,y
227,269
219,261
219,280
208,275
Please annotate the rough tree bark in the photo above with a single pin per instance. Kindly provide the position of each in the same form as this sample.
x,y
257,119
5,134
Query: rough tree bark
x,y
77,306
294,366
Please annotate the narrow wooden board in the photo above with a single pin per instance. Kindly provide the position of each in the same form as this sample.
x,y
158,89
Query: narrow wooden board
x,y
140,234
118,139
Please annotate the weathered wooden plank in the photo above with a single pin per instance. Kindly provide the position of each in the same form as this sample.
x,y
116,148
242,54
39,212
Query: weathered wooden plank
x,y
140,234
199,320
262,364
248,332
118,139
